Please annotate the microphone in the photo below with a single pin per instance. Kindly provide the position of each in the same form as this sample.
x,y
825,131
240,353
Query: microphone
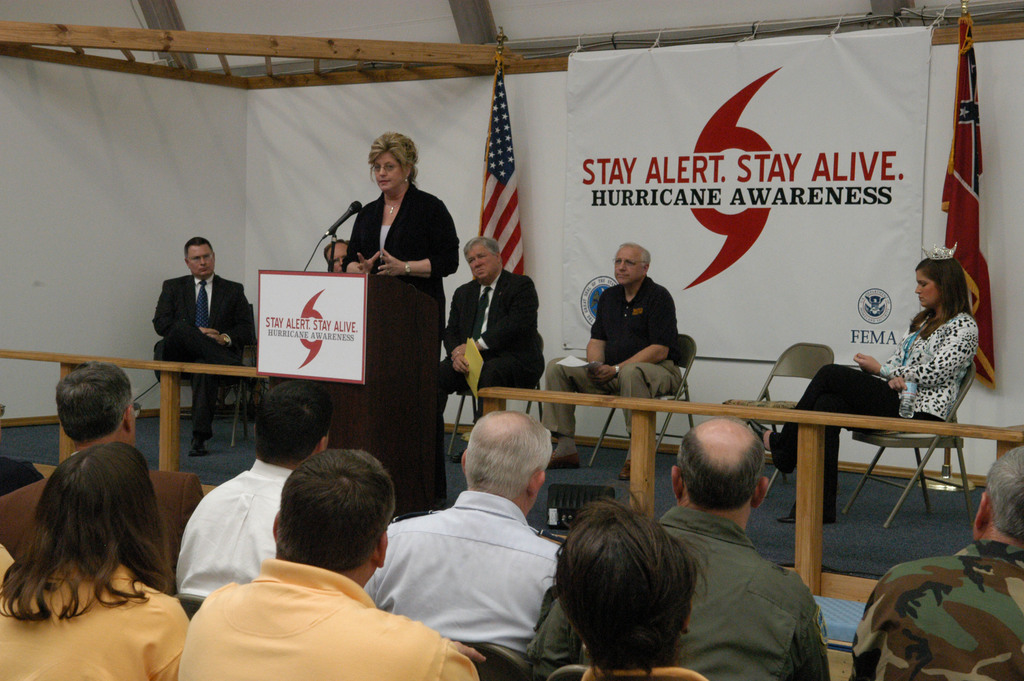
x,y
352,210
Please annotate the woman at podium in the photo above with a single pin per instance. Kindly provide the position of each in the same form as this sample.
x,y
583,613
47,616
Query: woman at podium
x,y
406,232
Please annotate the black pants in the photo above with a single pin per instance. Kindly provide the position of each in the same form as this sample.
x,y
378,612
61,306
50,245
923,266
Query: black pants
x,y
189,344
841,390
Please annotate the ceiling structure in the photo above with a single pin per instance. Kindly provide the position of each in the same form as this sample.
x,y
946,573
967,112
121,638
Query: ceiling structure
x,y
253,44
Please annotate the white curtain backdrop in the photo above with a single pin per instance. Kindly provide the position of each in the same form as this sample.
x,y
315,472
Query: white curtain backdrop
x,y
777,184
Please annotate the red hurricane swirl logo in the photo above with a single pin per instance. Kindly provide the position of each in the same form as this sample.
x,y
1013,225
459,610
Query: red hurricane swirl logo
x,y
312,346
722,132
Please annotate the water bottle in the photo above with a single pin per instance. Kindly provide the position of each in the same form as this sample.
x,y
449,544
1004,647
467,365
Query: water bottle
x,y
908,400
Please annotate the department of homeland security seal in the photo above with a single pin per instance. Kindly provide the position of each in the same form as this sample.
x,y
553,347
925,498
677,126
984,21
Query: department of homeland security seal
x,y
874,306
591,292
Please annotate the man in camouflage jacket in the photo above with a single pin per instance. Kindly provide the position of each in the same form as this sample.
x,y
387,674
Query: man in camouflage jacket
x,y
955,617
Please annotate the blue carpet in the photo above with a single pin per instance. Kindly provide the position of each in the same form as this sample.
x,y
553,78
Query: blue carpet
x,y
856,545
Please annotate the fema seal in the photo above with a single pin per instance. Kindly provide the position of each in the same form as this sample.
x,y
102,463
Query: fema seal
x,y
874,306
591,292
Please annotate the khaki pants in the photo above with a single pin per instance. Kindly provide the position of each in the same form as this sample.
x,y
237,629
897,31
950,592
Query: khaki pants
x,y
639,379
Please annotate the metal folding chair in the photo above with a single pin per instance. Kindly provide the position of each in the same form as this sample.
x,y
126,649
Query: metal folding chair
x,y
888,440
800,360
689,350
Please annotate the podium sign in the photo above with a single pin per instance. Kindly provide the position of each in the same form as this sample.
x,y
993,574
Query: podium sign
x,y
312,325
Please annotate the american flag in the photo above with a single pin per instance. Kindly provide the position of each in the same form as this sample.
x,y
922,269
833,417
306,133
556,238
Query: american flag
x,y
961,203
499,212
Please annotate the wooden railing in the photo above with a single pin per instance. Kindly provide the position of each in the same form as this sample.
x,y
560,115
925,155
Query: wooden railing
x,y
170,392
810,447
810,458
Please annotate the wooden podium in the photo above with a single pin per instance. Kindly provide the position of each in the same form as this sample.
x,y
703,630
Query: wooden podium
x,y
392,415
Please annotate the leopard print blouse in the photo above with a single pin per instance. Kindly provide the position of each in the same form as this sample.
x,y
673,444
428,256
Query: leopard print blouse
x,y
937,364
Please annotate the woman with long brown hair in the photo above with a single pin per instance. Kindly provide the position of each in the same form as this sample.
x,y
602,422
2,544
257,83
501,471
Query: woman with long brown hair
x,y
88,599
935,353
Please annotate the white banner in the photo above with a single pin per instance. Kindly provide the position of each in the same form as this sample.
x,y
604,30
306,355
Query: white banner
x,y
777,184
312,325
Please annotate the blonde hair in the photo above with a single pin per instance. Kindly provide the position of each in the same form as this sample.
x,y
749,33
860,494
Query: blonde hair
x,y
399,146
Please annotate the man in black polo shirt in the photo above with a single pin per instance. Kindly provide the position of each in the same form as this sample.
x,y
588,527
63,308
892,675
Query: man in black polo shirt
x,y
633,350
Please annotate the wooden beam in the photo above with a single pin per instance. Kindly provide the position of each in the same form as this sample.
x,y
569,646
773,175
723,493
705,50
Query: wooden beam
x,y
164,15
270,67
204,42
224,64
641,479
170,421
393,75
1004,446
367,76
109,64
982,33
128,55
810,472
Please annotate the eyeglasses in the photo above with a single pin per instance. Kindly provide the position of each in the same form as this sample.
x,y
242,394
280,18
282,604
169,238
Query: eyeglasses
x,y
387,168
627,263
136,409
200,258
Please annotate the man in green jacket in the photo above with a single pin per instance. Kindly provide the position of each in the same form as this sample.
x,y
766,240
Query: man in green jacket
x,y
752,620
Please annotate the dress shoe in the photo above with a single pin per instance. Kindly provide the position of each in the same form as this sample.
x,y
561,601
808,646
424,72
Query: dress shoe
x,y
198,448
790,518
565,461
624,473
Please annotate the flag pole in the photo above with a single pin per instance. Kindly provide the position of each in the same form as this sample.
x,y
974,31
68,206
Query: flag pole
x,y
499,51
945,482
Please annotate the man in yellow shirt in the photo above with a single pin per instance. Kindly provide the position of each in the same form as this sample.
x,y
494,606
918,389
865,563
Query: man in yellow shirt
x,y
307,615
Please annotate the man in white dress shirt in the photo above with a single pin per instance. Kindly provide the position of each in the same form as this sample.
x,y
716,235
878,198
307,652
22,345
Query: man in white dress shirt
x,y
477,572
232,530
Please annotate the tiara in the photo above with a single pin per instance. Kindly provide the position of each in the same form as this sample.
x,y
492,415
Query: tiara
x,y
940,252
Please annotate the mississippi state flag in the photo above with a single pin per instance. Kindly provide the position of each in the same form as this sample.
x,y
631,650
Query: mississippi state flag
x,y
960,201
499,213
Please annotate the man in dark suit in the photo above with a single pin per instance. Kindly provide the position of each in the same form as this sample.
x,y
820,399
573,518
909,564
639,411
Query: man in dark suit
x,y
206,319
498,310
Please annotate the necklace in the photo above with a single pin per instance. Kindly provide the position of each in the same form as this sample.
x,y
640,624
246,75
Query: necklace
x,y
391,210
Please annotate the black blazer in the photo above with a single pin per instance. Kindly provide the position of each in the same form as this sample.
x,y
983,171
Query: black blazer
x,y
423,228
511,321
229,309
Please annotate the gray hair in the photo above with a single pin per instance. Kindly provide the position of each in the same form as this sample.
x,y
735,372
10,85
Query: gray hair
x,y
505,449
717,482
1005,489
645,255
488,243
92,399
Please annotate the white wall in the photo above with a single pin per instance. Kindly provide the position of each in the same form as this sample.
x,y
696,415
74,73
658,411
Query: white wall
x,y
121,155
104,178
